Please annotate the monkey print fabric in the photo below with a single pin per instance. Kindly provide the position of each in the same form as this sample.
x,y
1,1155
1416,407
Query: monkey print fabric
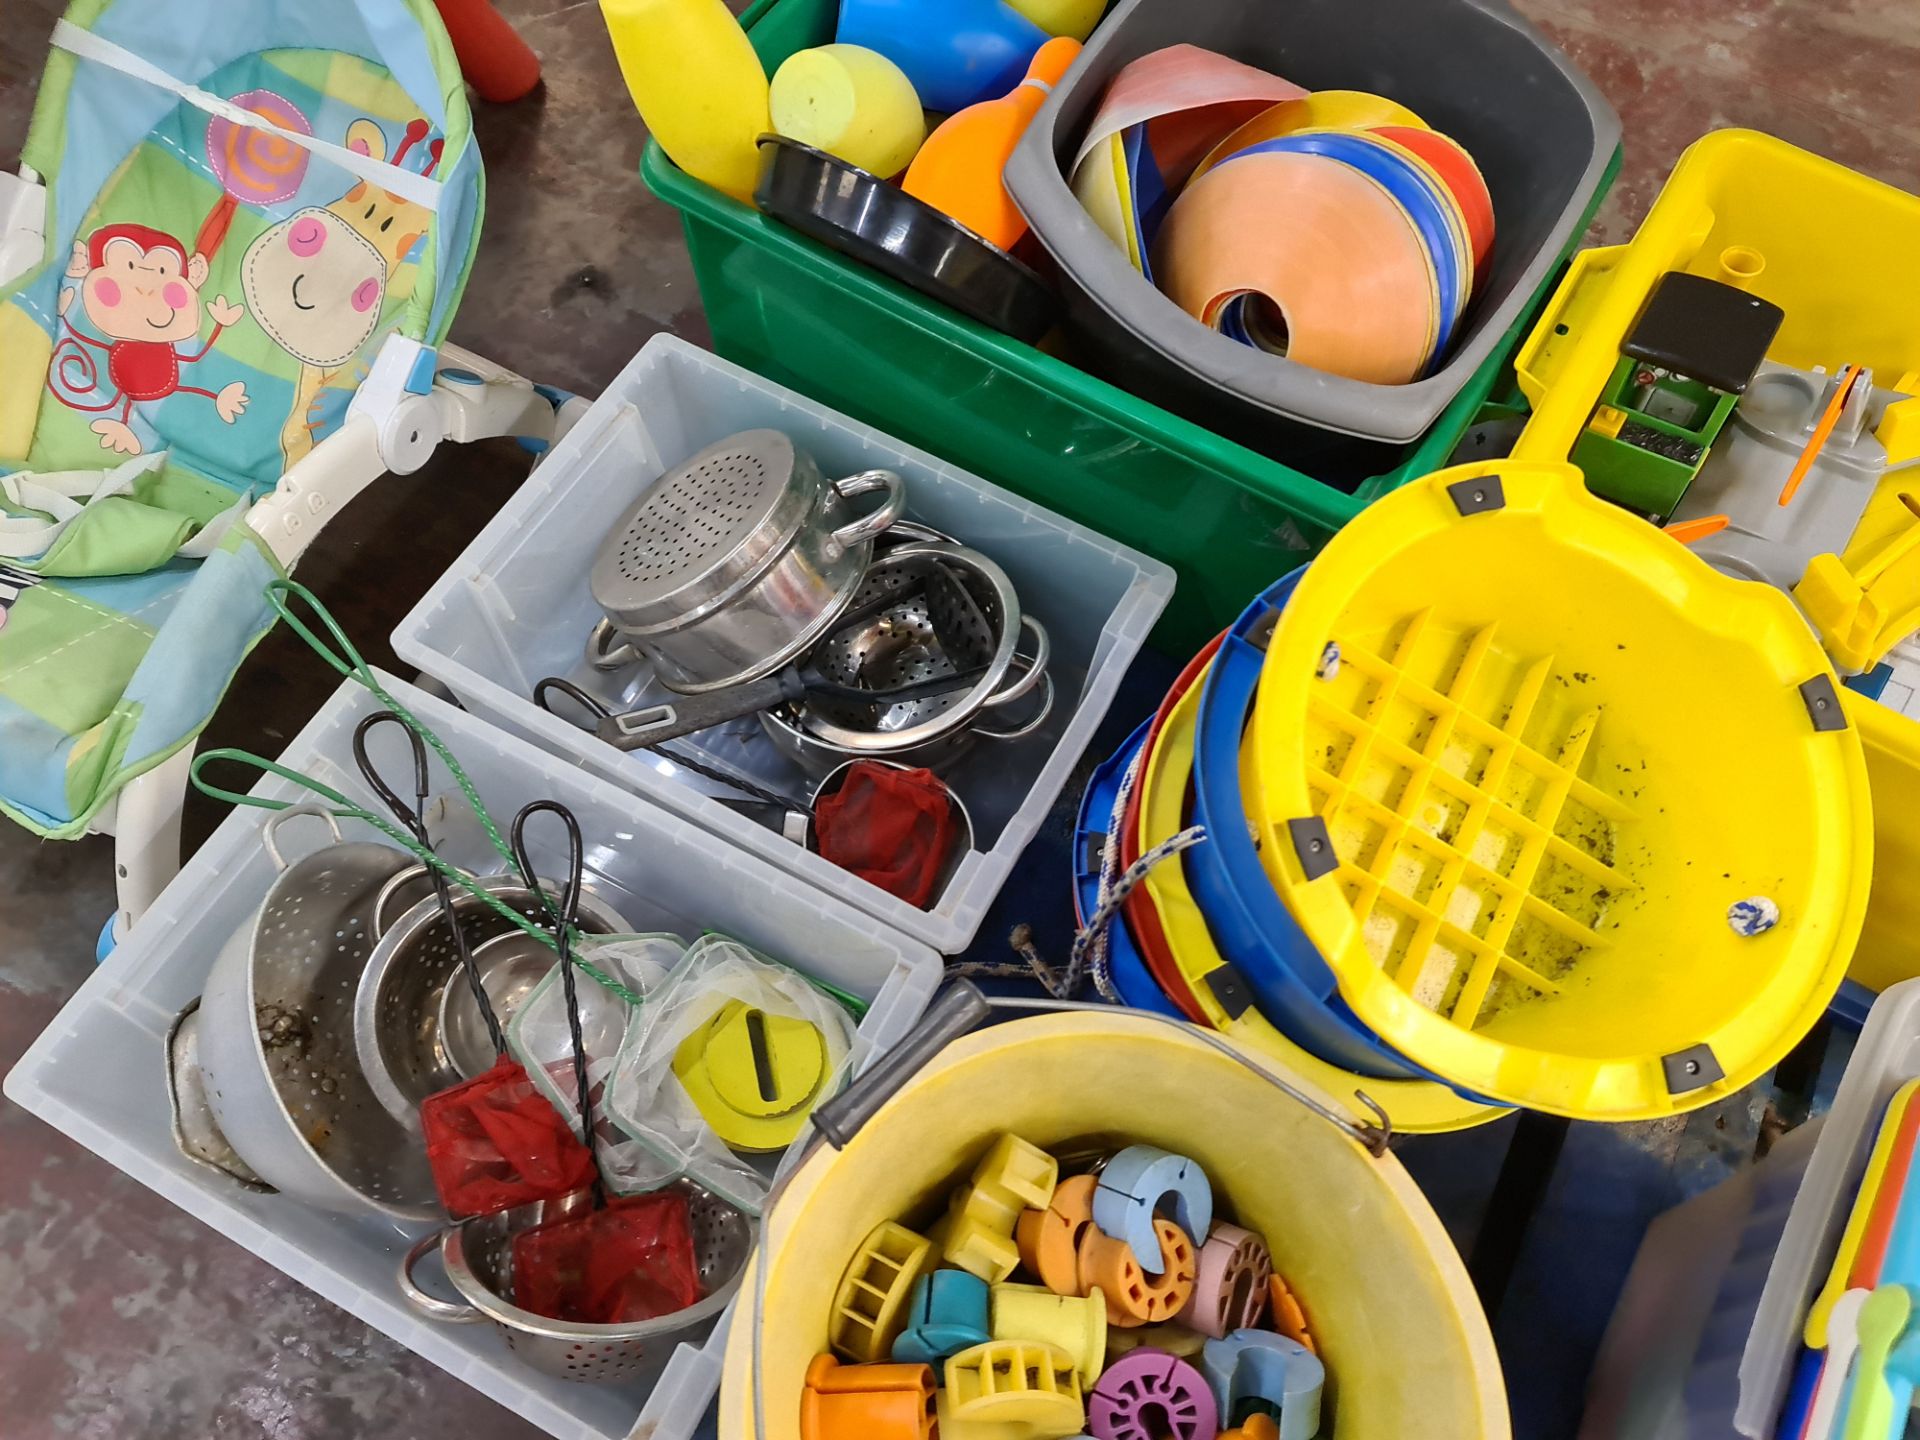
x,y
213,298
228,290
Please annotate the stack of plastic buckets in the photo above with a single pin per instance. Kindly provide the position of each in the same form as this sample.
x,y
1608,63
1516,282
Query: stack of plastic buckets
x,y
1506,800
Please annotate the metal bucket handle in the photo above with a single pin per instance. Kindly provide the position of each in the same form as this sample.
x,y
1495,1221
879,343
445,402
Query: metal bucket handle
x,y
867,482
454,1312
961,1006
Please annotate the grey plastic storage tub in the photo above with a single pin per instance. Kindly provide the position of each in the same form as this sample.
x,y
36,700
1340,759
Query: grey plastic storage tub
x,y
515,608
1539,130
97,1073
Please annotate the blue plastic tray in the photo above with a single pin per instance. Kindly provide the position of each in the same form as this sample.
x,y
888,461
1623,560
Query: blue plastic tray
x,y
1131,977
1290,982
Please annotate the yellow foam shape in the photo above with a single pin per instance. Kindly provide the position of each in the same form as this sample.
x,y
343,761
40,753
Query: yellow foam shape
x,y
978,1231
1899,431
869,1308
1075,1324
1011,1390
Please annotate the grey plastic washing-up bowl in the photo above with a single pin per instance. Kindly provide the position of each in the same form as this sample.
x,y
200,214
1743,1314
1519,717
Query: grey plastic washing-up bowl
x,y
1539,130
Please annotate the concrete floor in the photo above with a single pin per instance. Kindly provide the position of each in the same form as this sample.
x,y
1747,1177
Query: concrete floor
x,y
123,1316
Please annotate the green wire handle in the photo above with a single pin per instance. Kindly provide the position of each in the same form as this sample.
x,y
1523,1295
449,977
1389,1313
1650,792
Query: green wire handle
x,y
349,663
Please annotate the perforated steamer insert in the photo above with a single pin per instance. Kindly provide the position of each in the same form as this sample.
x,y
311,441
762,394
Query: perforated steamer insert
x,y
717,511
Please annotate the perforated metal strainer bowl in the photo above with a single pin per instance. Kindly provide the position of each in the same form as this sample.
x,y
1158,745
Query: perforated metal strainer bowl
x,y
398,1007
965,616
733,564
478,1257
276,1043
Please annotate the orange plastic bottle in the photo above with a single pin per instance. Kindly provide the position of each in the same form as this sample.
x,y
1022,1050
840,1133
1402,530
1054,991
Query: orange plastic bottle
x,y
959,170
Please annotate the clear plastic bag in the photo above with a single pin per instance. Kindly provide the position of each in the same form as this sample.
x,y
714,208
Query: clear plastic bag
x,y
754,1041
539,1039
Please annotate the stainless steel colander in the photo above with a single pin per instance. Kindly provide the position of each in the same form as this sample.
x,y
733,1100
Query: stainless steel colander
x,y
735,563
412,984
275,1038
478,1257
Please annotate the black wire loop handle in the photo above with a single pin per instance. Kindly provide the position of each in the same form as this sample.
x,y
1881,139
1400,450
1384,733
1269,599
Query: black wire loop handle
x,y
562,919
414,818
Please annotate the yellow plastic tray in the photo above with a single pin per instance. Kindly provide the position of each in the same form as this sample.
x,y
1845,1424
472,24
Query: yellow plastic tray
x,y
1419,1106
1556,750
1834,249
1394,1314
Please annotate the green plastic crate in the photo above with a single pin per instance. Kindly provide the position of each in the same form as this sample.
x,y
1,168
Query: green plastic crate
x,y
1227,519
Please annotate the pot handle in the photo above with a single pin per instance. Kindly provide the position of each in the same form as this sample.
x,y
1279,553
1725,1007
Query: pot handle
x,y
269,836
1025,727
1035,667
454,1312
870,525
608,649
652,725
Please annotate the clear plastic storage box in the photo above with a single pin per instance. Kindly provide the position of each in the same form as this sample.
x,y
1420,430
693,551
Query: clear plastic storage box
x,y
515,608
97,1074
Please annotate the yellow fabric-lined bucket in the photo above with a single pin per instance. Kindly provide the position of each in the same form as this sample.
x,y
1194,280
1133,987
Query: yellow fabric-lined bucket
x,y
1403,1336
1535,779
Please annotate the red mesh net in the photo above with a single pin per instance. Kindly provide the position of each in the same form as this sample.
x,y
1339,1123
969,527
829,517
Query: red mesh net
x,y
495,1142
631,1261
892,827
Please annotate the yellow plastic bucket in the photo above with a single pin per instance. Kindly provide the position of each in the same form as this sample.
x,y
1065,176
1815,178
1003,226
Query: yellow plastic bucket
x,y
1521,809
1404,1339
1832,248
1419,1106
1890,937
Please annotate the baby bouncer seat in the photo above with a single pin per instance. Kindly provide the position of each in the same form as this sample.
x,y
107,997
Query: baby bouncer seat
x,y
227,270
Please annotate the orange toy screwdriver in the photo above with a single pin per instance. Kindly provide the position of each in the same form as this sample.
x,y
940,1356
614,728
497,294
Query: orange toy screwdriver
x,y
1828,419
1688,531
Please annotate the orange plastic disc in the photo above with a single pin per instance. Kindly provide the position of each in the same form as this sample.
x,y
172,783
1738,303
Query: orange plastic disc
x,y
1134,1297
1449,159
1049,1239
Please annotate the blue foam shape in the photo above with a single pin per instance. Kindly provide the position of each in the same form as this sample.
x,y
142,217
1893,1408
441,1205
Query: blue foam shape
x,y
1257,1370
946,1313
1129,1191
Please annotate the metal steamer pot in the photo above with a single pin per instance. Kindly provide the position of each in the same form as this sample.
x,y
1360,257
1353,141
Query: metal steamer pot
x,y
734,564
275,1037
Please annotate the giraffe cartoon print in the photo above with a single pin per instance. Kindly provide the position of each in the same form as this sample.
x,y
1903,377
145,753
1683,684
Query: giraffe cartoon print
x,y
316,281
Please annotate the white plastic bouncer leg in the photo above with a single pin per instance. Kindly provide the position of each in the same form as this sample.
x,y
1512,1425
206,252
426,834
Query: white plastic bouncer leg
x,y
146,838
390,429
23,224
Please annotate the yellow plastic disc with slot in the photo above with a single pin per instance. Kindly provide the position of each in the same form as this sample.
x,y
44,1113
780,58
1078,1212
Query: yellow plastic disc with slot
x,y
753,1074
1577,822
